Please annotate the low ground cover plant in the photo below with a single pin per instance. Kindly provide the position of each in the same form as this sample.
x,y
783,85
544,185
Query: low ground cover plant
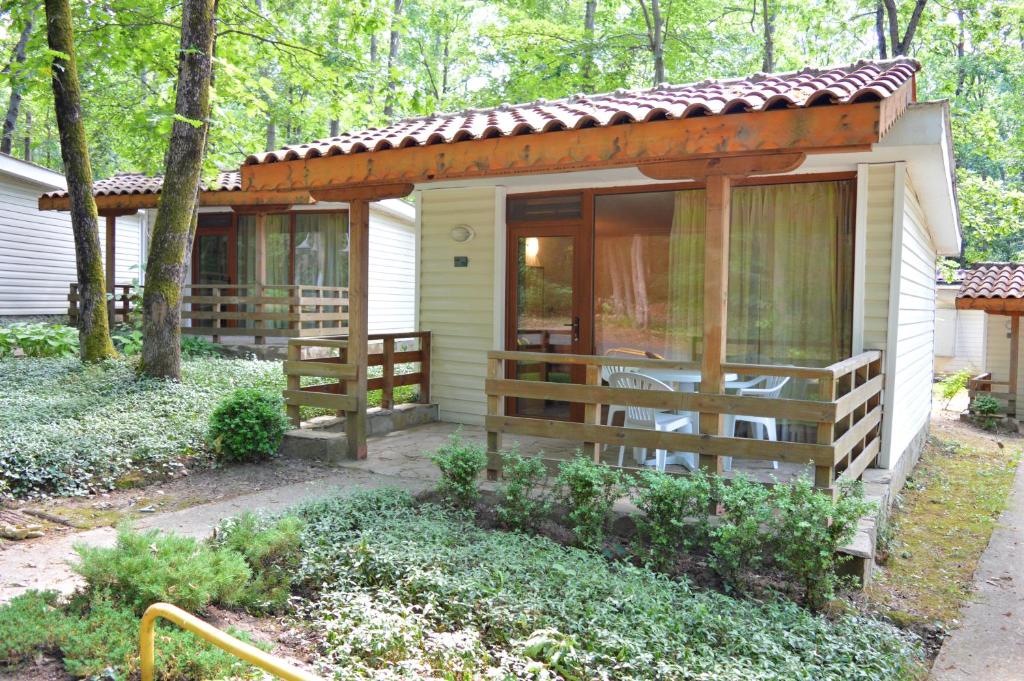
x,y
247,425
38,340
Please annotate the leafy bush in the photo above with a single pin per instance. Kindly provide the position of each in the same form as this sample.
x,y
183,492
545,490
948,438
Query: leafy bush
x,y
150,567
810,527
39,340
521,506
247,425
461,463
271,548
28,623
675,514
425,591
127,339
197,346
954,383
985,405
56,441
738,541
589,490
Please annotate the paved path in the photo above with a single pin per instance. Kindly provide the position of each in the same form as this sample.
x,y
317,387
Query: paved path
x,y
43,564
989,645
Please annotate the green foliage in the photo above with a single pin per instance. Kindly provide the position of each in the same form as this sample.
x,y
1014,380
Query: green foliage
x,y
150,567
991,212
675,514
460,463
522,506
57,441
589,490
952,385
248,425
426,591
28,623
127,339
809,528
985,405
39,340
271,548
739,539
197,346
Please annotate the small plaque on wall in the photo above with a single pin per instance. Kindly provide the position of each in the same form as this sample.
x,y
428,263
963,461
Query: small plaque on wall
x,y
462,261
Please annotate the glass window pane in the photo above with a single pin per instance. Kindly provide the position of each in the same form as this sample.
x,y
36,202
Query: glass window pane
x,y
535,209
321,250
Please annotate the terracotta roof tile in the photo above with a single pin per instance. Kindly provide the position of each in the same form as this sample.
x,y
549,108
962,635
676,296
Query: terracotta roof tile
x,y
993,280
137,183
863,81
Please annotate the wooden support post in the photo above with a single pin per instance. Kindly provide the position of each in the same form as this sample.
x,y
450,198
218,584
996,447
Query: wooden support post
x,y
824,476
216,320
592,414
261,274
258,320
718,196
1011,402
73,303
111,266
294,355
425,368
387,393
494,404
358,276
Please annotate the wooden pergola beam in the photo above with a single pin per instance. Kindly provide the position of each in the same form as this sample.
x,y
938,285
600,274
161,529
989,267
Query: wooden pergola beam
x,y
358,323
718,199
992,305
845,127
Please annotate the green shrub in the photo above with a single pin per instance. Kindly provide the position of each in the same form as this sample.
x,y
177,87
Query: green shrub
x,y
739,539
40,340
954,383
272,549
460,463
7,341
197,346
809,528
127,339
589,490
247,425
521,506
675,511
425,590
985,405
29,623
149,567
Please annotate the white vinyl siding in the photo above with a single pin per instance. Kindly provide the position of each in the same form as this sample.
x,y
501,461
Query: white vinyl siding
x,y
392,294
913,365
37,251
959,335
997,354
457,303
878,255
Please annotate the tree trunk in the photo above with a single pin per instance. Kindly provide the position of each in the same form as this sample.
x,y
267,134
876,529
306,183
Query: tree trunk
x,y
768,16
639,272
658,45
271,135
589,18
28,136
93,327
389,101
961,72
17,84
901,46
176,217
335,127
883,52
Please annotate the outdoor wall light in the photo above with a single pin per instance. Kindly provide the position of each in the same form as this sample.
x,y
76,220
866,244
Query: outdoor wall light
x,y
462,233
531,251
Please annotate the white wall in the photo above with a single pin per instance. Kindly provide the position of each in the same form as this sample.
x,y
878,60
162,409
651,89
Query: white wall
x,y
457,305
392,294
959,335
37,251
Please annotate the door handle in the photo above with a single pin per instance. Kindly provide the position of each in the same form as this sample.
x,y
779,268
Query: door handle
x,y
575,329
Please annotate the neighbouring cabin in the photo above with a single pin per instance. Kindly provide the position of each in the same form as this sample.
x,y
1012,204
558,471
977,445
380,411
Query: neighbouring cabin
x,y
996,290
961,336
735,274
37,248
271,271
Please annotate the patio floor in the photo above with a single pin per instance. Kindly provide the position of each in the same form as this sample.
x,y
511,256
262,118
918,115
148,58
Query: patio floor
x,y
405,453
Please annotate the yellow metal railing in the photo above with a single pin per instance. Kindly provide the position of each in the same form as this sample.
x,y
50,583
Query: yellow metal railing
x,y
211,634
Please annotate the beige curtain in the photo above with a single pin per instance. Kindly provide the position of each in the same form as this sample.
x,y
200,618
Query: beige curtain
x,y
686,276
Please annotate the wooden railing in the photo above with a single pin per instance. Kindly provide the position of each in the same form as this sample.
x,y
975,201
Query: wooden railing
x,y
387,350
123,303
260,311
983,384
847,413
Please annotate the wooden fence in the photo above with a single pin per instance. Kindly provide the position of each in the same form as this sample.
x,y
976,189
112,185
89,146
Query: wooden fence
x,y
261,311
983,384
847,412
337,395
123,303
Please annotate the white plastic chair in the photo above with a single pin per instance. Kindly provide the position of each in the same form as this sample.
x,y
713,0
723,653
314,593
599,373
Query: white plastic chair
x,y
650,418
606,376
771,387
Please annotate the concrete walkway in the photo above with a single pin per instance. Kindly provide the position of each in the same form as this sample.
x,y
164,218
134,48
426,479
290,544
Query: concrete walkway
x,y
989,645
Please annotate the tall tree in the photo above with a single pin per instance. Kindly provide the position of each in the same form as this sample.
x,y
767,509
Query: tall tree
x,y
176,218
655,24
901,45
393,44
93,327
768,28
17,82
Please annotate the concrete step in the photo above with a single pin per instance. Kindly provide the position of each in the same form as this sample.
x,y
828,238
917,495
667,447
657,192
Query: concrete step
x,y
323,438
